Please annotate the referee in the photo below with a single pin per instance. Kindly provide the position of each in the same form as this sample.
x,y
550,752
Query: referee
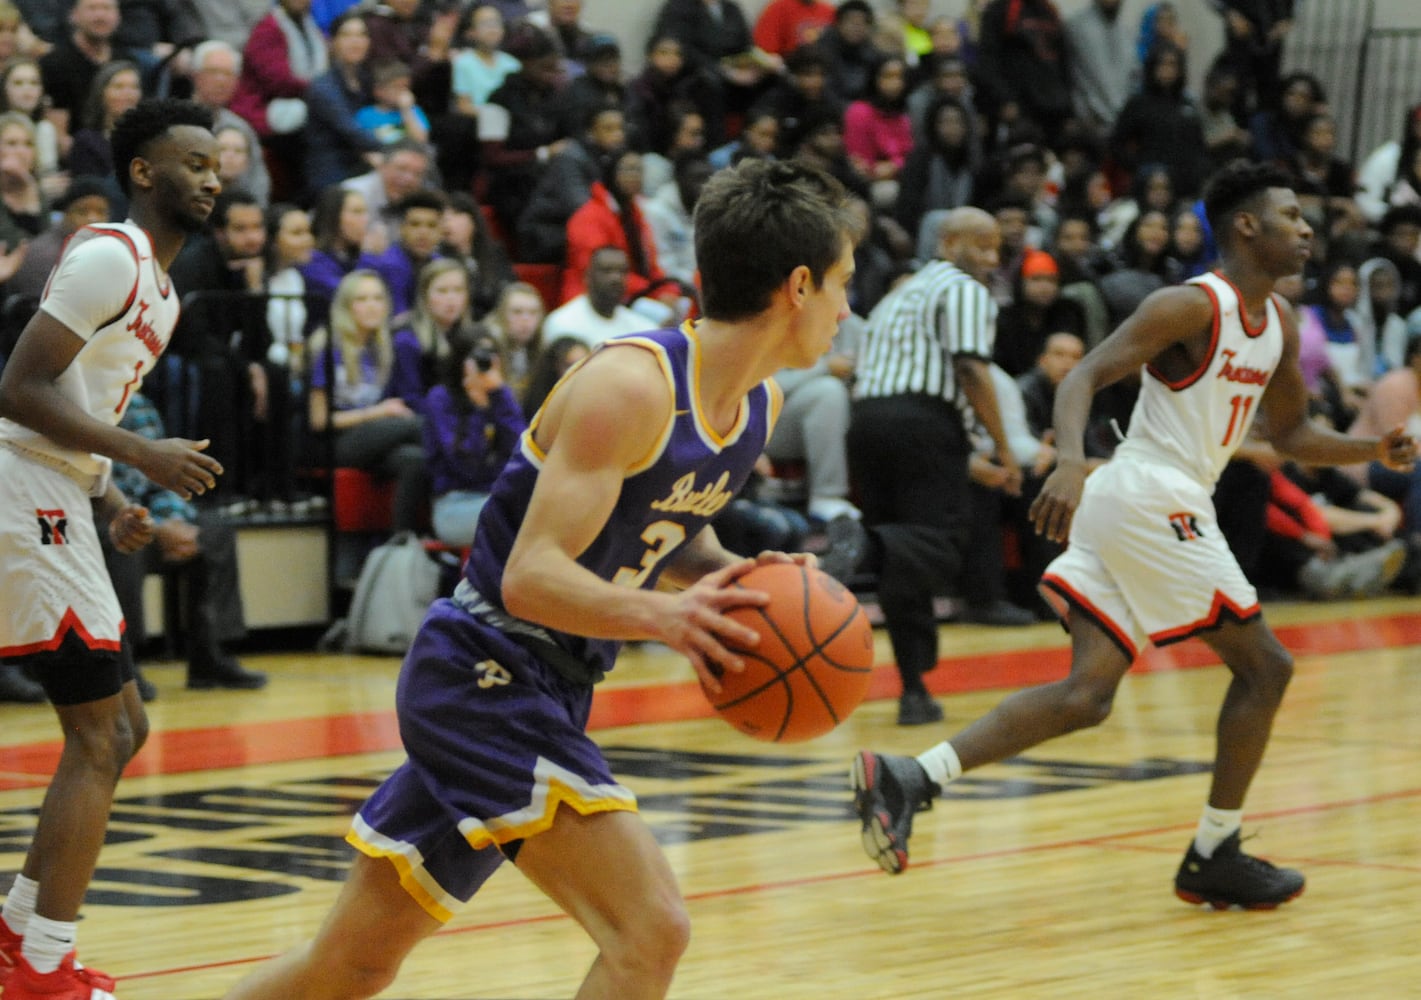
x,y
924,359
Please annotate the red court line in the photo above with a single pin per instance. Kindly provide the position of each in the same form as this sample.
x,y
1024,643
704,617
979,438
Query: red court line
x,y
182,751
1106,842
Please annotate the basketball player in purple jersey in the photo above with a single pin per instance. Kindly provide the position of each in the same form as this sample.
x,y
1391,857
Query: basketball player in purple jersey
x,y
612,490
105,317
1146,559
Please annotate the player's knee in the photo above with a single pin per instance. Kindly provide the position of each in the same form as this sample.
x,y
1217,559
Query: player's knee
x,y
138,726
1272,670
1086,705
649,948
366,976
105,746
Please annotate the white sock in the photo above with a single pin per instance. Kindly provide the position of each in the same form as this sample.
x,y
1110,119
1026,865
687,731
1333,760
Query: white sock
x,y
20,904
941,763
47,942
1215,826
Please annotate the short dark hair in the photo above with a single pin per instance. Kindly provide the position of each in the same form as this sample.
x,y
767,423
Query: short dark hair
x,y
1399,215
1413,347
389,70
432,200
851,6
226,201
806,59
1236,186
791,213
139,126
405,145
527,42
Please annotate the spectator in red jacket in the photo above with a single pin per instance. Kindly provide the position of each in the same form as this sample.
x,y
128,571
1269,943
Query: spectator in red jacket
x,y
276,72
613,217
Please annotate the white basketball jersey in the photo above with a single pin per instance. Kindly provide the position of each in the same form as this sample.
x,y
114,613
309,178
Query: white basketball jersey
x,y
1197,423
108,290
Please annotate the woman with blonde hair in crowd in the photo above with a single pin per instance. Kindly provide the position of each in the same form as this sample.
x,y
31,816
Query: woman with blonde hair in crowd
x,y
440,317
351,361
22,90
517,324
23,206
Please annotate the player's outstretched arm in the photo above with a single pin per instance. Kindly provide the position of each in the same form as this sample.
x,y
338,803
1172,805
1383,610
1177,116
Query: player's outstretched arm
x,y
1177,318
603,421
1283,415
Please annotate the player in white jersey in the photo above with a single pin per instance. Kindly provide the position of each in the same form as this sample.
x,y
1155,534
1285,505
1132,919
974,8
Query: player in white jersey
x,y
106,315
1146,560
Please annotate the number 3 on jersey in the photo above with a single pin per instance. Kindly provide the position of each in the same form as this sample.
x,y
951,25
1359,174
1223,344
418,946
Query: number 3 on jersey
x,y
1238,417
661,538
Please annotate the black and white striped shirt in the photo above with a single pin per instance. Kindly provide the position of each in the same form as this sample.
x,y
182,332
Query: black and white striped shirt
x,y
917,330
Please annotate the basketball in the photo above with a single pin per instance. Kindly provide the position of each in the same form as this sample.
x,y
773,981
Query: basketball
x,y
812,665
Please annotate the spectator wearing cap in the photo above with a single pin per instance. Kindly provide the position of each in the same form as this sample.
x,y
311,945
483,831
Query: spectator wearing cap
x,y
562,20
516,145
85,203
601,86
1036,312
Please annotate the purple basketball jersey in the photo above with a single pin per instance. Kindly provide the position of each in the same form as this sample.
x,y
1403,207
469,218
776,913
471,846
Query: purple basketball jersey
x,y
676,492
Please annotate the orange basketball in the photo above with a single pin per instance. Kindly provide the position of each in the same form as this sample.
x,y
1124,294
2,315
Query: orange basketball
x,y
812,665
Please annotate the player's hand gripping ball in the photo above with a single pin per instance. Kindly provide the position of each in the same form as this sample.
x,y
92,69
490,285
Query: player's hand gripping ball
x,y
812,665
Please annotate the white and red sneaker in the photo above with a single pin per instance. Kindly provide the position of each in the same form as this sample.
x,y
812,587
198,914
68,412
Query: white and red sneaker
x,y
71,981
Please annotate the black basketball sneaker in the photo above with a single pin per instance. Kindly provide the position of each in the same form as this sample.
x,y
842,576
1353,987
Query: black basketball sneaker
x,y
888,791
1232,878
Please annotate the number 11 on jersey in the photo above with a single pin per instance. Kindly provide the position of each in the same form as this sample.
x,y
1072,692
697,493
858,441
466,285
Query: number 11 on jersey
x,y
1238,417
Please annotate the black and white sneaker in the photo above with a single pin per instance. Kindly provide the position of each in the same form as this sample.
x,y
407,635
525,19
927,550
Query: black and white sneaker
x,y
888,792
1232,878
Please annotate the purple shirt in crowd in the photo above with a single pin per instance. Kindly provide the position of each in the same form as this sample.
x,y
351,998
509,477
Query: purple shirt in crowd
x,y
467,451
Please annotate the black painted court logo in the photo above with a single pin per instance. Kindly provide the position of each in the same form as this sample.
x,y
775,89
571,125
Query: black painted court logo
x,y
262,841
53,527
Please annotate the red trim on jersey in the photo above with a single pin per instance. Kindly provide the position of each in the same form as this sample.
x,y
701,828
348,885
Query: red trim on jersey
x,y
1243,310
1208,361
69,623
1221,608
137,260
1086,607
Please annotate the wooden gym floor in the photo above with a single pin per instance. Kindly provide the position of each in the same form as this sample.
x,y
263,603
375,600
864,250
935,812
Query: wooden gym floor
x,y
1044,877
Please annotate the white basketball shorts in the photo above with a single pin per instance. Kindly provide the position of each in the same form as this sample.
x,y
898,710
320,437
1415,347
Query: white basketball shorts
x,y
51,565
1146,559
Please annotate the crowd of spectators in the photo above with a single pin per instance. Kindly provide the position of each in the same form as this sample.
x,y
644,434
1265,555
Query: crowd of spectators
x,y
396,173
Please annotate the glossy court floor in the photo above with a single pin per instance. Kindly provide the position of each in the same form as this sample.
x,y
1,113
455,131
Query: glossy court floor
x,y
1044,877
